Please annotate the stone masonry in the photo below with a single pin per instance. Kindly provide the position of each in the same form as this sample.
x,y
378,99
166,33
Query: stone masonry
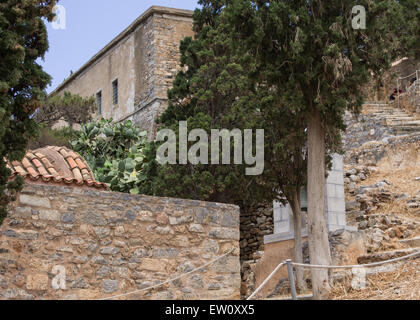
x,y
112,243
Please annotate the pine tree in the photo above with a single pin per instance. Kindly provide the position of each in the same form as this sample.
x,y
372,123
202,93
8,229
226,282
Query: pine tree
x,y
71,108
221,87
23,39
204,94
409,30
310,50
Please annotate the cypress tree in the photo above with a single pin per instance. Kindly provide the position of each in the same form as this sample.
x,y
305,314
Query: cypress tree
x,y
23,40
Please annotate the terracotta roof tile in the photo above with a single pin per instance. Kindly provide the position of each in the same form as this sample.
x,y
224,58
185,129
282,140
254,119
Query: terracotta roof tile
x,y
37,163
46,162
20,170
80,163
73,154
32,172
56,165
30,155
43,171
71,162
26,163
64,153
53,171
77,174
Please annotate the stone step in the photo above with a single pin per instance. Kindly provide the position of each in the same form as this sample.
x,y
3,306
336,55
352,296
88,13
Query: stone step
x,y
407,122
412,243
375,102
386,255
413,123
405,130
380,109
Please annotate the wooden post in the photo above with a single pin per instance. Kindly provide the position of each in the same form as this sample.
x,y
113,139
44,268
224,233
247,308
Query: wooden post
x,y
291,279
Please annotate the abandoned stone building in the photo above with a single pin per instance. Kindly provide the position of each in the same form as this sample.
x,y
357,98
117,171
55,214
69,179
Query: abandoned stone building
x,y
131,75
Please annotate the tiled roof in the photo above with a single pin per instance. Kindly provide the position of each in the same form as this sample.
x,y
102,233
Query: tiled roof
x,y
56,165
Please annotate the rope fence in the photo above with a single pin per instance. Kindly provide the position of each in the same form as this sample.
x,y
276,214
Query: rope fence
x,y
288,263
291,264
170,280
416,83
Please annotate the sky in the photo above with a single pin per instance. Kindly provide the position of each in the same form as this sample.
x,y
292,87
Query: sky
x,y
90,25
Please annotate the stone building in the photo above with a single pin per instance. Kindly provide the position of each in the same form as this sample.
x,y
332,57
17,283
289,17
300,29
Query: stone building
x,y
131,75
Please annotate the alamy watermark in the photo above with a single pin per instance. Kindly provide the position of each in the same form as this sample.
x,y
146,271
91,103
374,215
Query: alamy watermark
x,y
359,20
359,278
198,153
59,281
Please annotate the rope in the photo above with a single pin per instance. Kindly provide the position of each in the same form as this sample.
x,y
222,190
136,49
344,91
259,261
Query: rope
x,y
402,78
329,267
266,280
357,265
170,280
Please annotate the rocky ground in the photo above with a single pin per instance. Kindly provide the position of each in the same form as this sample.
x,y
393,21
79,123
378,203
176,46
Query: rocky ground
x,y
382,184
382,181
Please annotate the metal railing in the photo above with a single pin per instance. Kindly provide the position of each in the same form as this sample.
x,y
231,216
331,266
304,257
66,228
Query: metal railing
x,y
416,84
290,264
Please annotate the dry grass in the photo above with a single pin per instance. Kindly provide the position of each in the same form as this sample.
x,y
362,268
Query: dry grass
x,y
401,284
403,181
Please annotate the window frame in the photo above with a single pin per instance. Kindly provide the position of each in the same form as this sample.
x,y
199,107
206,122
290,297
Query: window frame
x,y
99,95
115,91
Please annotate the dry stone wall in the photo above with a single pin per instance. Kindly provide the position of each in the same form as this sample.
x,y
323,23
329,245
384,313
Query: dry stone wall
x,y
112,243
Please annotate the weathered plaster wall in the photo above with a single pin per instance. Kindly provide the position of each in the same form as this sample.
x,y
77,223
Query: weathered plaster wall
x,y
112,243
117,63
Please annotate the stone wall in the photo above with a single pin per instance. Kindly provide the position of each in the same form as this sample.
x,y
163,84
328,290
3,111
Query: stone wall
x,y
254,226
363,128
164,31
389,153
112,243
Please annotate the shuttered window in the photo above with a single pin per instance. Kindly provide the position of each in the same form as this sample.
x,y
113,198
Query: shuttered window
x,y
115,92
99,101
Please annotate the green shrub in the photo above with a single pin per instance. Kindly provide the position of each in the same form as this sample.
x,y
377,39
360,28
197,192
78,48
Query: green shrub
x,y
114,151
52,137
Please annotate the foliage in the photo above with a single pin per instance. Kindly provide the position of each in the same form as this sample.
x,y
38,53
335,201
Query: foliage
x,y
205,95
410,30
124,174
23,40
114,151
309,51
69,107
52,137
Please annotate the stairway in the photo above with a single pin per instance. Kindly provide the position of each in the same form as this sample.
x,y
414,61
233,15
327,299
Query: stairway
x,y
399,121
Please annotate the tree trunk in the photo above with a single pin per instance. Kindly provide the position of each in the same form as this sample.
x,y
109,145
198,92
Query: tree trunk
x,y
319,248
297,223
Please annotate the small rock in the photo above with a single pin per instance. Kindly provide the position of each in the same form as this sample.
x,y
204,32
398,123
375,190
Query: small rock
x,y
110,286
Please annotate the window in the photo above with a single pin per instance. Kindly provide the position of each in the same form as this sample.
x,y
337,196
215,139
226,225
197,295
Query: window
x,y
99,101
115,92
